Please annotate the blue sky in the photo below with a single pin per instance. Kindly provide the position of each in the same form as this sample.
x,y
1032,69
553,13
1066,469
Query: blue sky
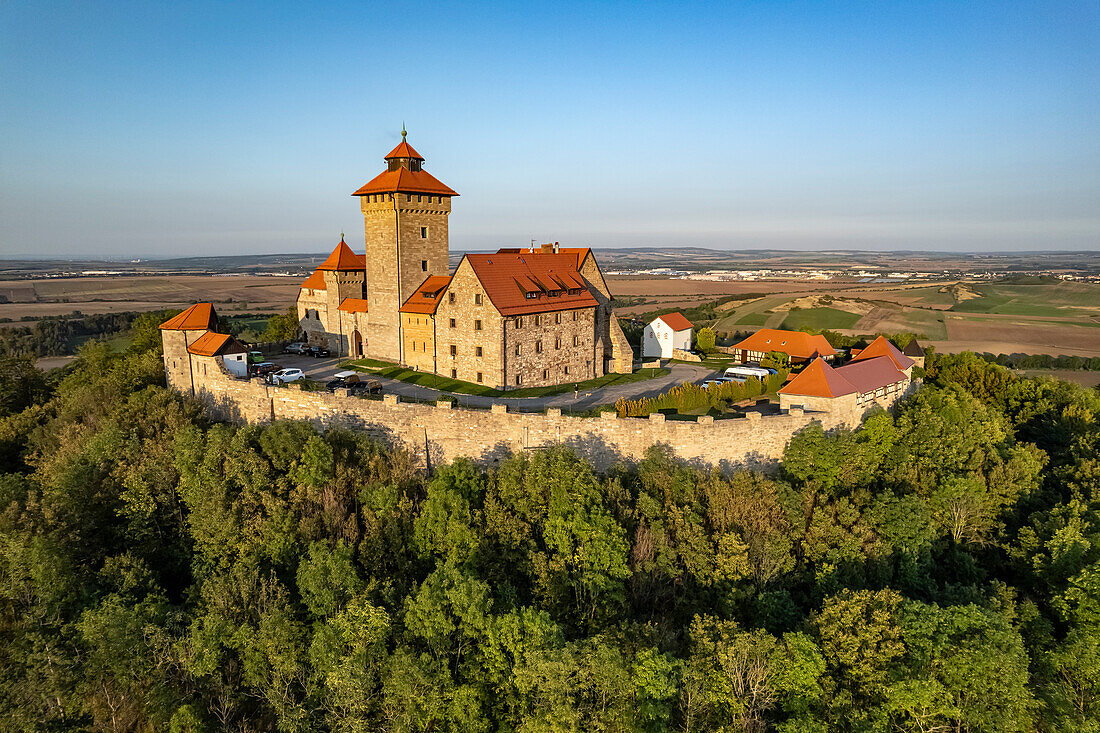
x,y
221,128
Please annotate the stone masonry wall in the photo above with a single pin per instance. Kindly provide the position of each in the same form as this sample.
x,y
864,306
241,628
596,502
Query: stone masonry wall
x,y
399,258
438,433
567,339
471,306
617,355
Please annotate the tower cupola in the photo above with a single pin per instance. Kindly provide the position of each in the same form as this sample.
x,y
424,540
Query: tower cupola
x,y
404,156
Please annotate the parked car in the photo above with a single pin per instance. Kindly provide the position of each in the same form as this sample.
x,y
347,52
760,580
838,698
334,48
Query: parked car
x,y
285,376
263,368
295,347
256,357
317,351
353,382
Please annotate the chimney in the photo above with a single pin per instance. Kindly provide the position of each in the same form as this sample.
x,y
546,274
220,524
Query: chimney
x,y
557,247
546,249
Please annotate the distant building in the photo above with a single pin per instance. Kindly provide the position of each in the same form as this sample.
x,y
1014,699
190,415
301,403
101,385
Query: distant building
x,y
665,333
799,346
193,349
915,352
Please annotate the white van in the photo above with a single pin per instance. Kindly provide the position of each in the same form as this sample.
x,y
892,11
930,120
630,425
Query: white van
x,y
742,373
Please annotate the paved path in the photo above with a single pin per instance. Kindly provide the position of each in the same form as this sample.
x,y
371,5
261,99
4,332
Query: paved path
x,y
323,369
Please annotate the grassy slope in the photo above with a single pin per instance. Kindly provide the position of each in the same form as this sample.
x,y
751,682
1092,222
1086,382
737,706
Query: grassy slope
x,y
819,318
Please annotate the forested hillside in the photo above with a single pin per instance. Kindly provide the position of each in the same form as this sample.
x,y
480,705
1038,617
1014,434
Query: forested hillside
x,y
936,570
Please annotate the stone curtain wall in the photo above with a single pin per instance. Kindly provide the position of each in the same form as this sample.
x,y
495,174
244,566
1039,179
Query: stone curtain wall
x,y
439,433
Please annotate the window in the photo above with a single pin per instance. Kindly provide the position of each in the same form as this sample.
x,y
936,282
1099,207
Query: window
x,y
519,349
545,373
423,232
477,325
538,347
576,340
479,377
477,298
423,265
557,317
557,343
454,351
408,198
519,380
575,315
420,200
450,297
519,322
478,352
567,371
538,320
454,374
452,323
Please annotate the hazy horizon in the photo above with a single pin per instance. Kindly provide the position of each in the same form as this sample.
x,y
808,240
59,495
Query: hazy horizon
x,y
136,130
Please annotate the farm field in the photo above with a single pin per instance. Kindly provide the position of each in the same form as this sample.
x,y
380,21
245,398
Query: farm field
x,y
1041,317
60,296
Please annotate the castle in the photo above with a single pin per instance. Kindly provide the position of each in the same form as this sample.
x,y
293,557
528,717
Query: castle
x,y
510,319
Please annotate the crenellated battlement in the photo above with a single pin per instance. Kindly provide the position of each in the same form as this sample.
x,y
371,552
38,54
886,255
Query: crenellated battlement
x,y
442,432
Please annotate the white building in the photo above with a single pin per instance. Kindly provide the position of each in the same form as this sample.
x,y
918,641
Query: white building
x,y
665,333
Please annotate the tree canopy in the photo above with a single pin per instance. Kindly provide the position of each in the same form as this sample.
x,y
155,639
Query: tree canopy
x,y
936,569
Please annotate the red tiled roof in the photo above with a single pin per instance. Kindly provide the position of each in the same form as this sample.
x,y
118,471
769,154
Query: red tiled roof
x,y
316,281
819,380
343,259
870,374
509,277
404,150
581,252
882,347
404,180
426,298
795,343
213,344
199,317
676,321
353,305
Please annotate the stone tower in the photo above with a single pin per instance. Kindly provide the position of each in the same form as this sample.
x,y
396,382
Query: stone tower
x,y
405,212
177,334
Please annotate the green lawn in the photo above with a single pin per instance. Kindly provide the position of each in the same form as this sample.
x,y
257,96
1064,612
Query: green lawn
x,y
458,386
819,318
366,365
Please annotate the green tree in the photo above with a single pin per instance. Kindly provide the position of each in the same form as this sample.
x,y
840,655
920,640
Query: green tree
x,y
282,326
704,339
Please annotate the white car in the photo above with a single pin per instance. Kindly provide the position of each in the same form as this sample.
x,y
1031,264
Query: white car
x,y
284,376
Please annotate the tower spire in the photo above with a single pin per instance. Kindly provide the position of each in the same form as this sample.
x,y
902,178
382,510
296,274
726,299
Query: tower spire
x,y
403,132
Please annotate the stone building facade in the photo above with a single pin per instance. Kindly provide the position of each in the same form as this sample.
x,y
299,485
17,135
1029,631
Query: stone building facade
x,y
195,353
498,320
